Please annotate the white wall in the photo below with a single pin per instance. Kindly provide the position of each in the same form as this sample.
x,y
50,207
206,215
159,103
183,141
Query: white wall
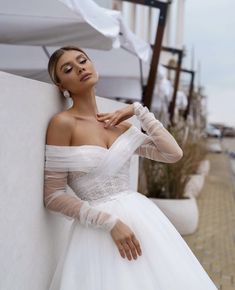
x,y
31,237
104,3
179,36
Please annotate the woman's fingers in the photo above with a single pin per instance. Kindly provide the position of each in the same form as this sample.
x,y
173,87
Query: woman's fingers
x,y
120,114
112,122
129,248
132,248
105,116
109,122
121,250
102,115
137,245
112,119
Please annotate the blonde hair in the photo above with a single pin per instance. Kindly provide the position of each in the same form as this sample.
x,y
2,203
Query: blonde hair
x,y
55,57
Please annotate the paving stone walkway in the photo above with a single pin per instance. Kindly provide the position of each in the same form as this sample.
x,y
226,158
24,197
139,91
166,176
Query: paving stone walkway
x,y
214,241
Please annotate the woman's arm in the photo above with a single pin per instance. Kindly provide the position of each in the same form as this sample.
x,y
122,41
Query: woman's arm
x,y
161,145
55,195
58,200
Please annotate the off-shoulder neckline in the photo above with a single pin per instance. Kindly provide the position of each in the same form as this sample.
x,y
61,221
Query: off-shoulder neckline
x,y
72,147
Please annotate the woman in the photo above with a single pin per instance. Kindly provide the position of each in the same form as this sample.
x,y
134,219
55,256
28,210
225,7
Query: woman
x,y
119,239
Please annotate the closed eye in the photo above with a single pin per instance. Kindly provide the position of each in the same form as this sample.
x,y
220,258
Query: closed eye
x,y
82,62
68,70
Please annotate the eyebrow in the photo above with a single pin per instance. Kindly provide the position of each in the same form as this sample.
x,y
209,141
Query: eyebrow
x,y
80,55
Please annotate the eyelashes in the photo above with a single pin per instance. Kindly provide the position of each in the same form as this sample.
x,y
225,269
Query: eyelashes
x,y
81,62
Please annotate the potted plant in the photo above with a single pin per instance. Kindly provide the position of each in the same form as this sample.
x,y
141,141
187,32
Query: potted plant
x,y
165,183
198,169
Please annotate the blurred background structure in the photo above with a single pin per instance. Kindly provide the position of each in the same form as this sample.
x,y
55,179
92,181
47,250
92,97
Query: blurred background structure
x,y
56,23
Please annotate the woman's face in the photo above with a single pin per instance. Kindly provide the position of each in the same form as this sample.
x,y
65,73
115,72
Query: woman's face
x,y
71,67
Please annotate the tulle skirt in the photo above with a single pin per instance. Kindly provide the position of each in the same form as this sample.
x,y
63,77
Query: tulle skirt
x,y
91,259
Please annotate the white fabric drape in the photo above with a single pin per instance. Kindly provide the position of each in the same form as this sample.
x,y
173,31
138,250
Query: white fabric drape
x,y
62,22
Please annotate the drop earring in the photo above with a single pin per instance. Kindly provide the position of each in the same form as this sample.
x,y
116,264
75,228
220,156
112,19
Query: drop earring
x,y
66,94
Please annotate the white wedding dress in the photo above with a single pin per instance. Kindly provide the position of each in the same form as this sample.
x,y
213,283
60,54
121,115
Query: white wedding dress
x,y
99,178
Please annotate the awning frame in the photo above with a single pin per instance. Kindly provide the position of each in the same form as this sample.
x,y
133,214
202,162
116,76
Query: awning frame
x,y
148,89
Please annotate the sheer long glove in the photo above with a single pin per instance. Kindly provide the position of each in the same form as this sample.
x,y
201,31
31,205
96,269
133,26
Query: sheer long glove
x,y
161,145
72,207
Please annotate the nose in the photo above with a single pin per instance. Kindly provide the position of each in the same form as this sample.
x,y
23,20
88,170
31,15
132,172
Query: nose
x,y
80,68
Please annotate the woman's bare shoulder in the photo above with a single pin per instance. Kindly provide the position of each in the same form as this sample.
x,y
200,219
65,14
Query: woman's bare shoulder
x,y
59,130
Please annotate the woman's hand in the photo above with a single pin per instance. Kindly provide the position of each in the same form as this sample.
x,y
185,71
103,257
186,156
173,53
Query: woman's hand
x,y
116,117
125,240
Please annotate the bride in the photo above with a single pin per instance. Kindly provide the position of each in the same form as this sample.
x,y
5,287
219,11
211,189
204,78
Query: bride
x,y
119,239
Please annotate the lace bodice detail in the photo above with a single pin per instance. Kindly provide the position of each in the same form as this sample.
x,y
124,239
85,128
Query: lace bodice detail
x,y
101,187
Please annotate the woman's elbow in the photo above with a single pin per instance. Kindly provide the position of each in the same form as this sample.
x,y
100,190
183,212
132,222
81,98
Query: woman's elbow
x,y
178,155
45,204
172,157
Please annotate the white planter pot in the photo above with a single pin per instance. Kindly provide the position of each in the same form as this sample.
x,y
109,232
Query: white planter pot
x,y
183,213
204,167
194,185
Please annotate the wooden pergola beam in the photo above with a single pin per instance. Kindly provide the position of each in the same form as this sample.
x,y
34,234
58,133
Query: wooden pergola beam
x,y
190,94
191,87
163,7
180,53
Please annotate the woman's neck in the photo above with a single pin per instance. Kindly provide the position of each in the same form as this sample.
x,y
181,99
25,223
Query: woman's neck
x,y
85,105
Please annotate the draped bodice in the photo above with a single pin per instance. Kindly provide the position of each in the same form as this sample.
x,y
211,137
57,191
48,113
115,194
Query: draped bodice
x,y
99,187
95,172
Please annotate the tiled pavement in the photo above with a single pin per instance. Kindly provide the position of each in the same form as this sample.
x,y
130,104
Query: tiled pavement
x,y
214,241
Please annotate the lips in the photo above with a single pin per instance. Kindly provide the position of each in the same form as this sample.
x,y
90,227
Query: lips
x,y
84,76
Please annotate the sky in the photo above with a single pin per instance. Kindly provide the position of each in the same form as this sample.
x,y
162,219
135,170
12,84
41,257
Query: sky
x,y
210,29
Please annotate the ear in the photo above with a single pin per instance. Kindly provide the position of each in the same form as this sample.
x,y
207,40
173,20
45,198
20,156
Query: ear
x,y
60,86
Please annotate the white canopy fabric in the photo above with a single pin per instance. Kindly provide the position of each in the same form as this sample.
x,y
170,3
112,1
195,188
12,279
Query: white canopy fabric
x,y
63,22
100,18
28,25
